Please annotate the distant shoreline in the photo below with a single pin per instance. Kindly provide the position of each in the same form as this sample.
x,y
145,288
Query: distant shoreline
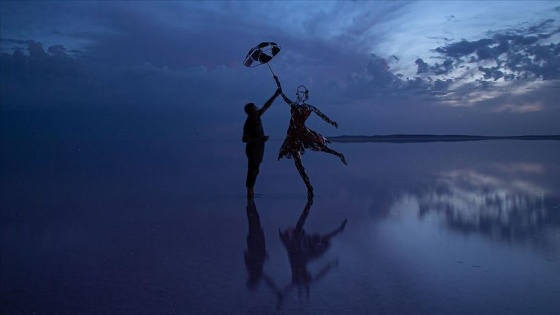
x,y
403,138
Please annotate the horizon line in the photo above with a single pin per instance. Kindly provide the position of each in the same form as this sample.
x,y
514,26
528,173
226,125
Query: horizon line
x,y
405,138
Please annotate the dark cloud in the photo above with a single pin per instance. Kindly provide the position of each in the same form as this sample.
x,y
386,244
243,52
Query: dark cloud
x,y
492,73
134,36
11,45
207,100
380,73
50,78
175,58
57,51
463,48
485,53
39,78
422,66
441,85
39,64
443,68
516,41
15,41
518,54
302,54
543,26
417,84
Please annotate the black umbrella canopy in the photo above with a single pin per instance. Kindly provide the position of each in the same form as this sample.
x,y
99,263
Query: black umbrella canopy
x,y
261,54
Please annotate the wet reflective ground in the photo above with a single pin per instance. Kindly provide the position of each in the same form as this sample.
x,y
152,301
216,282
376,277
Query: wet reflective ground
x,y
139,226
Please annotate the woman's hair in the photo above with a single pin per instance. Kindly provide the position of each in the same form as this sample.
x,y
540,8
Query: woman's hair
x,y
302,94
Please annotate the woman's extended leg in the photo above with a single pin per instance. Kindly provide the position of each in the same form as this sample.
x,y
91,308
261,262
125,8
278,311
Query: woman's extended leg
x,y
303,174
327,237
326,149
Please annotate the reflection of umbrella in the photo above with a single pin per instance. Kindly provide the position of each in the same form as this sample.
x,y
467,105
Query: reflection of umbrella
x,y
261,54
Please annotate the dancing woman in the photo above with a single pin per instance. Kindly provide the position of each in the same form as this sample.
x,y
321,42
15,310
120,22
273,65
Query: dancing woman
x,y
300,137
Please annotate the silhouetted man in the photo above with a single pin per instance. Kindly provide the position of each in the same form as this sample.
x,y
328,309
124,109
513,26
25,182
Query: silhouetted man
x,y
253,136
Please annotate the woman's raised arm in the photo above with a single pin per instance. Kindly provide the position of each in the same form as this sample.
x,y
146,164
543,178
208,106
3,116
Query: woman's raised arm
x,y
286,99
323,116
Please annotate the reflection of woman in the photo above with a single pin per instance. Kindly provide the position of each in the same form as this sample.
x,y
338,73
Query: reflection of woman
x,y
299,137
303,248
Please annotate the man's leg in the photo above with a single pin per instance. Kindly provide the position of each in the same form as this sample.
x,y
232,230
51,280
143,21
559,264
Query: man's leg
x,y
252,172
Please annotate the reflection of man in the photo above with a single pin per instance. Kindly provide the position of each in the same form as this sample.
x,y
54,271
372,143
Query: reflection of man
x,y
253,135
255,255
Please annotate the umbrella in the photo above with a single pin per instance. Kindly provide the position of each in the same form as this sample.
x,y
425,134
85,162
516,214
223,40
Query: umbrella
x,y
261,54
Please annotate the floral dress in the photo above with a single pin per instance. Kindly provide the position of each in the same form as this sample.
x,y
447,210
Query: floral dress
x,y
299,137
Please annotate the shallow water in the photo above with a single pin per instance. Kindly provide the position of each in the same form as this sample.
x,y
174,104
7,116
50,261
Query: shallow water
x,y
128,226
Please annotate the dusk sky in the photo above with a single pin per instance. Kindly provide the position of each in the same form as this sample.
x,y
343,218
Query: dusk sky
x,y
375,67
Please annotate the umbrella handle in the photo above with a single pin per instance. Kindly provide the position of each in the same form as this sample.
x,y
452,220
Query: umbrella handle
x,y
270,69
277,82
274,76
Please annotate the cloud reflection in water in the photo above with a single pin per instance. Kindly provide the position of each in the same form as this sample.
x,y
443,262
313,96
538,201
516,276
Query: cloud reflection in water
x,y
503,204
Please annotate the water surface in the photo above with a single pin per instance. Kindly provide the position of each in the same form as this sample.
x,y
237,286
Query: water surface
x,y
114,223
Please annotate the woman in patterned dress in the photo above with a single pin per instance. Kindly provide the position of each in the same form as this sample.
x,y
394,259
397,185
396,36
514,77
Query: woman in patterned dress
x,y
300,137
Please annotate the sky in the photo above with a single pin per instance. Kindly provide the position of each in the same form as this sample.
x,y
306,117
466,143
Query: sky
x,y
375,67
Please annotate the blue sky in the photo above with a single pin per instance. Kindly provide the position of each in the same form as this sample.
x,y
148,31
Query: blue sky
x,y
455,67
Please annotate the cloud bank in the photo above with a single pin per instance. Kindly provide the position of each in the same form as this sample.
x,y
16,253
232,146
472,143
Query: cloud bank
x,y
188,56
